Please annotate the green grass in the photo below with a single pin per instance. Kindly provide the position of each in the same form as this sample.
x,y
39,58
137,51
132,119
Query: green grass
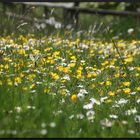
x,y
44,73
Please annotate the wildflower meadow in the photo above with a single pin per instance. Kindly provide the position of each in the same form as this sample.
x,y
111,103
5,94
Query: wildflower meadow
x,y
69,85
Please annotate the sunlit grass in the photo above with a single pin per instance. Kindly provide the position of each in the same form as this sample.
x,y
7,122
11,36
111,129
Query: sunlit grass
x,y
55,87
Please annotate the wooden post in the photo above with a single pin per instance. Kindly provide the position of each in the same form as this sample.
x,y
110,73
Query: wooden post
x,y
66,16
75,15
71,15
46,11
23,9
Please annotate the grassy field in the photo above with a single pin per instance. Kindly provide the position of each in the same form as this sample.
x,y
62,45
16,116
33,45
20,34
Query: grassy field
x,y
82,82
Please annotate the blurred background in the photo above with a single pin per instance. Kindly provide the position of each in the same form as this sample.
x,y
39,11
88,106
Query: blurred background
x,y
20,19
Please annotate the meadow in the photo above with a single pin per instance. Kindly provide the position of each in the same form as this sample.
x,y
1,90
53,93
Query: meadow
x,y
70,83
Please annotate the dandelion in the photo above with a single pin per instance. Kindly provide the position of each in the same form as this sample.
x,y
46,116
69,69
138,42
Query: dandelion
x,y
74,98
6,66
126,83
21,52
72,65
66,69
73,58
127,90
101,83
17,80
55,76
111,93
108,83
128,60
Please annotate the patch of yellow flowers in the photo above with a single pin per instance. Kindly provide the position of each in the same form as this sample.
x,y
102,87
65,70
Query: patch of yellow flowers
x,y
50,61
